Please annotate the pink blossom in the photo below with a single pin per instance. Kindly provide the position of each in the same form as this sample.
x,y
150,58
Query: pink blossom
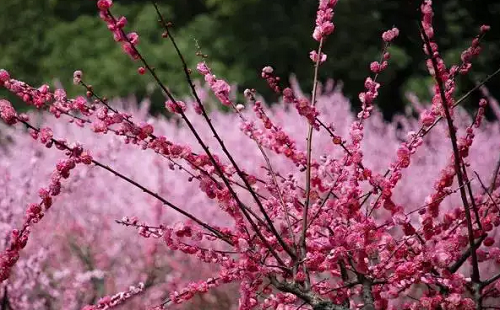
x,y
314,57
7,112
4,75
324,26
390,35
77,77
104,5
175,107
359,217
485,28
202,68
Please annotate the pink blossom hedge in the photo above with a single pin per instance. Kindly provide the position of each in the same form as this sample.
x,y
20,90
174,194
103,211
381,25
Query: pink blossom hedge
x,y
301,205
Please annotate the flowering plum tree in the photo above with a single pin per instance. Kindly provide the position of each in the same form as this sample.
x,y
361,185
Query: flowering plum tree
x,y
400,219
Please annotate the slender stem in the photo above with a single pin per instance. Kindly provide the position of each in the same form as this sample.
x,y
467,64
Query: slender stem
x,y
154,137
342,144
144,189
207,151
303,242
458,170
422,132
273,176
495,176
471,196
491,280
164,201
488,193
323,203
219,140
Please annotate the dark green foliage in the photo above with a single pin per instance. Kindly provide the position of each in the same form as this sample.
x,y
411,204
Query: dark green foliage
x,y
44,40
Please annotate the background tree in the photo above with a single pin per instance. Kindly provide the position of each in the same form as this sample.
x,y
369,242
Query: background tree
x,y
42,39
327,230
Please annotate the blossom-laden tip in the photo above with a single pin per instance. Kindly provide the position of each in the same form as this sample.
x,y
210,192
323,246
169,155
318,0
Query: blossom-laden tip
x,y
267,70
485,28
175,107
104,5
7,112
77,77
390,35
4,76
203,68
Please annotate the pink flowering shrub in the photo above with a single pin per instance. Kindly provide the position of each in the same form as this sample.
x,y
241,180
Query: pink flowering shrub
x,y
299,206
90,225
88,243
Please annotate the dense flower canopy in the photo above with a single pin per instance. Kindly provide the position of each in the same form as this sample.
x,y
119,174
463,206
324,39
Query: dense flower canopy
x,y
128,209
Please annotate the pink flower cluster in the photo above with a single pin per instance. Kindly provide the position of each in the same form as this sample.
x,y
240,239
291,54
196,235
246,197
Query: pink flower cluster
x,y
445,75
271,79
187,209
302,105
128,41
332,106
368,97
273,137
390,35
220,87
317,58
36,211
324,26
7,112
109,302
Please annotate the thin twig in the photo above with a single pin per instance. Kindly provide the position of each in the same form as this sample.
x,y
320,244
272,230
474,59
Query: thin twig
x,y
204,146
144,189
458,170
224,149
303,245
